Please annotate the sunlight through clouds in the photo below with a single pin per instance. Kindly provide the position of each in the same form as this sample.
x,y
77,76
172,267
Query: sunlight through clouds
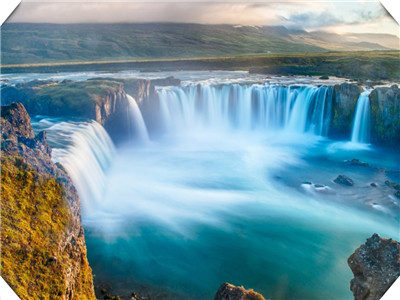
x,y
334,16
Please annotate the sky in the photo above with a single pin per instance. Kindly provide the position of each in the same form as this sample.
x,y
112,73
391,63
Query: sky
x,y
338,16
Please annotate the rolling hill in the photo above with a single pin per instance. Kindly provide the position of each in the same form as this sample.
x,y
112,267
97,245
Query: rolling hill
x,y
43,43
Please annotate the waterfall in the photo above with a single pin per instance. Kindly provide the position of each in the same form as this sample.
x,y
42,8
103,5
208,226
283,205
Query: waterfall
x,y
86,158
361,123
246,107
137,126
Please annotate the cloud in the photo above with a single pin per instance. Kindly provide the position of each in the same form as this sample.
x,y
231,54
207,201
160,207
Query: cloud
x,y
312,20
353,16
343,14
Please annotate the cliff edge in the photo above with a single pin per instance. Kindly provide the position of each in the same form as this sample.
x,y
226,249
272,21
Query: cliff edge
x,y
43,253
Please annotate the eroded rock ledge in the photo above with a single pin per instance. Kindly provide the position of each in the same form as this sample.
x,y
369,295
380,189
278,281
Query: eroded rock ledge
x,y
105,100
43,253
375,265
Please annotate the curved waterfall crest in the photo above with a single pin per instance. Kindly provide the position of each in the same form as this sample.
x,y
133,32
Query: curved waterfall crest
x,y
86,159
246,107
137,126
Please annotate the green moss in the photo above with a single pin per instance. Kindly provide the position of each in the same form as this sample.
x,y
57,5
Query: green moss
x,y
66,98
34,218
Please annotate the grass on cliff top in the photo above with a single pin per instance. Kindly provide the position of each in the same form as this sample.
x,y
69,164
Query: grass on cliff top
x,y
360,64
34,218
76,93
66,98
310,57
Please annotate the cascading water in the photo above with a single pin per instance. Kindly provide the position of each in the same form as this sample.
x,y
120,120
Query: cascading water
x,y
361,124
246,107
86,158
220,200
137,126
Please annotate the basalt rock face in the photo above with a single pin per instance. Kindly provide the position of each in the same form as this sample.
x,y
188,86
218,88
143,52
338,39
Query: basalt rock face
x,y
385,116
228,291
375,265
101,99
344,102
43,253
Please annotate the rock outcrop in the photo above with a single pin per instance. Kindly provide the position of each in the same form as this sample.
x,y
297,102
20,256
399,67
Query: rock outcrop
x,y
385,116
43,253
375,265
344,102
101,99
228,291
344,180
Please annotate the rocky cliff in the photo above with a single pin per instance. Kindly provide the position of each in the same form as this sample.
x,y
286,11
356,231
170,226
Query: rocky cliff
x,y
43,253
344,100
385,116
101,99
375,265
105,100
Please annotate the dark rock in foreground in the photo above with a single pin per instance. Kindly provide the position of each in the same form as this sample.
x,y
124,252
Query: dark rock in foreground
x,y
375,265
228,291
344,180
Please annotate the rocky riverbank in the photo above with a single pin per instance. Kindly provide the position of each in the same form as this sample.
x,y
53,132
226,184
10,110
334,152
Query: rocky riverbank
x,y
43,250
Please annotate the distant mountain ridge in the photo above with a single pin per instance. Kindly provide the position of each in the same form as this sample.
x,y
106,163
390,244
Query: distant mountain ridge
x,y
41,43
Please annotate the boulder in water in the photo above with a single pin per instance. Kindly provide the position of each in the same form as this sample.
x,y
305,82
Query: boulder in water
x,y
228,291
375,265
357,162
394,185
344,180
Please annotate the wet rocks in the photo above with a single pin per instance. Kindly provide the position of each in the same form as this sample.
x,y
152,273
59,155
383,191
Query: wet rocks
x,y
375,265
344,180
228,291
395,186
357,162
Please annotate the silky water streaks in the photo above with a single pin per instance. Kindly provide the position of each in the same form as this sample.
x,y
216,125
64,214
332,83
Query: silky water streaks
x,y
86,155
361,124
219,196
252,107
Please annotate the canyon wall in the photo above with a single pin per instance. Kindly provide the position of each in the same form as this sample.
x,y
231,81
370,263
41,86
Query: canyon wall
x,y
105,100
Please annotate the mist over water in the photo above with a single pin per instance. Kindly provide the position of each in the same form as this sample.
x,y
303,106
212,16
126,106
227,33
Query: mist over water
x,y
238,187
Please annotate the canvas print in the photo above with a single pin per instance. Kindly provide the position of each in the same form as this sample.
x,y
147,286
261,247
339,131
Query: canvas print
x,y
200,150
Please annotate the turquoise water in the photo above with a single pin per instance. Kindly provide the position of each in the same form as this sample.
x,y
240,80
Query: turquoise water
x,y
183,215
232,190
